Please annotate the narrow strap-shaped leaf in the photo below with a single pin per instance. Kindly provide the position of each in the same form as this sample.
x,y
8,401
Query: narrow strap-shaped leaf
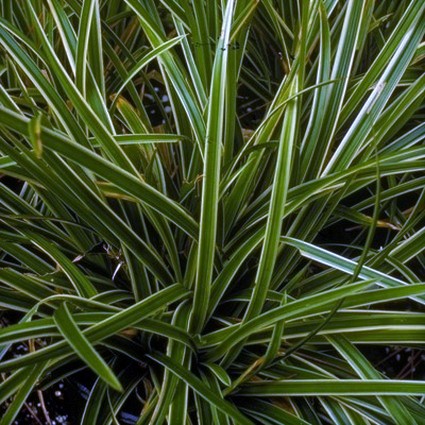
x,y
141,139
333,387
237,333
183,90
11,385
83,40
387,83
413,11
229,270
34,73
179,354
46,328
145,60
64,27
343,63
200,388
347,266
277,414
276,339
93,406
107,327
211,177
25,284
79,343
26,387
81,283
33,261
104,168
92,119
366,371
276,210
219,372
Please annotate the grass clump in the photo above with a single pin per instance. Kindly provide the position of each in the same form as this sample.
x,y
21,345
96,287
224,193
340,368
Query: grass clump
x,y
212,212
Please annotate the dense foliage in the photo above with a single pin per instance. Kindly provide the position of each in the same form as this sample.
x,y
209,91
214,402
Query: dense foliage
x,y
213,212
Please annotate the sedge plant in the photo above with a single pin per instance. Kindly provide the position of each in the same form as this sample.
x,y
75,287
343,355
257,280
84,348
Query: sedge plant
x,y
212,212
